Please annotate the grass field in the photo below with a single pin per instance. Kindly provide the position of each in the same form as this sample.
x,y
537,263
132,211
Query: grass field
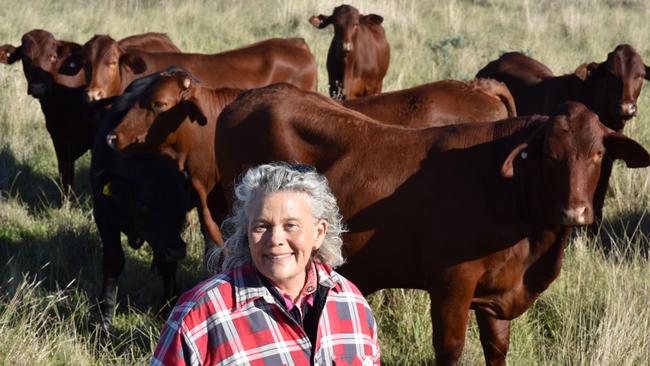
x,y
596,313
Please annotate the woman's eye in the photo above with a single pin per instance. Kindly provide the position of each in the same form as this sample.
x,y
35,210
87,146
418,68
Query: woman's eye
x,y
291,227
259,228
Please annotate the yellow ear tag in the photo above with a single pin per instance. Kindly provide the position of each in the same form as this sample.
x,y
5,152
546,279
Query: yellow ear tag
x,y
106,191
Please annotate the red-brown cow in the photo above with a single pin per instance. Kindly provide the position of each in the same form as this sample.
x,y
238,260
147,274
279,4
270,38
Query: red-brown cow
x,y
359,54
263,63
101,55
519,185
610,89
176,117
439,103
67,115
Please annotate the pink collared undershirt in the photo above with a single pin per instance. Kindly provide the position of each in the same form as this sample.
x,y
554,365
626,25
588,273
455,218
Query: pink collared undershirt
x,y
306,295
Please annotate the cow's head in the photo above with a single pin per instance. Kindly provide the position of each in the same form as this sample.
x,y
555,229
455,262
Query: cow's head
x,y
346,20
152,122
42,56
564,157
615,85
100,59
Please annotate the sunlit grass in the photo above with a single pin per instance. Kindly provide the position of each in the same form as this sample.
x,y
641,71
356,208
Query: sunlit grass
x,y
595,313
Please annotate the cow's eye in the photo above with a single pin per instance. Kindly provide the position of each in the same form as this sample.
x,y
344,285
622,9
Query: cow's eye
x,y
159,105
112,63
599,155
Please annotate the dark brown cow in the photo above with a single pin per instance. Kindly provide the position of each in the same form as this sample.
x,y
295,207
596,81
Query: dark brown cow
x,y
176,117
359,54
610,89
439,103
479,213
145,198
263,63
62,97
42,55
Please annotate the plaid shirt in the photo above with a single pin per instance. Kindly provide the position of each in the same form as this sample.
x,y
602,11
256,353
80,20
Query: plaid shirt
x,y
233,319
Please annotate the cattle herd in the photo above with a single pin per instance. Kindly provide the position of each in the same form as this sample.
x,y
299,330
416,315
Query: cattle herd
x,y
477,184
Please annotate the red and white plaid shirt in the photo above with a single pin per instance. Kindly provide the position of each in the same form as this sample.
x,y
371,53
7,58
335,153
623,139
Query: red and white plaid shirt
x,y
233,319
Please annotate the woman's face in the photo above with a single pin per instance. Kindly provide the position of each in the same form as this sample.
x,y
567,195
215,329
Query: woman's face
x,y
282,234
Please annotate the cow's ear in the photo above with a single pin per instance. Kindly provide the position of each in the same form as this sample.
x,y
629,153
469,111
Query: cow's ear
x,y
518,153
9,54
193,106
72,55
372,18
72,64
619,146
133,62
530,149
586,70
321,21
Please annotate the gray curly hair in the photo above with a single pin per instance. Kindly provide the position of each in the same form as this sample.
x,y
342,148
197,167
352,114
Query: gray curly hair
x,y
271,178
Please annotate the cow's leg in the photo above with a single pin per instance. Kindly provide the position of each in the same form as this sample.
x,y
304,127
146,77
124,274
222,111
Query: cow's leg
x,y
167,271
601,191
449,316
66,170
113,264
211,232
495,338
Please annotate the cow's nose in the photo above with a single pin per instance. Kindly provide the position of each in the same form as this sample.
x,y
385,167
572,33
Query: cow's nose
x,y
576,216
347,46
111,139
94,94
36,89
627,110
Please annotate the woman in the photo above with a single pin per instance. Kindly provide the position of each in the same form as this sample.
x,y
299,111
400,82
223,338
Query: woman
x,y
277,300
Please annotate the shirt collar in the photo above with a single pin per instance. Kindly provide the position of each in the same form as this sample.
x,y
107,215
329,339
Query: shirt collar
x,y
248,287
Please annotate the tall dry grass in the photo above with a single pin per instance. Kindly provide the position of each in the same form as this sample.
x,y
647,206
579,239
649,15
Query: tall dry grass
x,y
596,313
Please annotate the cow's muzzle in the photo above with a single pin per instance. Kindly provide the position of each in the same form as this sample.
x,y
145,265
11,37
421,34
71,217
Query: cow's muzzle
x,y
111,140
94,95
36,89
626,110
577,216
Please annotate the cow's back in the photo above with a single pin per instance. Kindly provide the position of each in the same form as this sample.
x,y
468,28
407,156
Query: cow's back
x,y
260,64
524,77
439,103
150,42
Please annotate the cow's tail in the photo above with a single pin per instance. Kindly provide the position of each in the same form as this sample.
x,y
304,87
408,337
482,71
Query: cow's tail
x,y
498,90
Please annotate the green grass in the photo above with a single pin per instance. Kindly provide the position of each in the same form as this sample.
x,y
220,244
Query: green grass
x,y
596,313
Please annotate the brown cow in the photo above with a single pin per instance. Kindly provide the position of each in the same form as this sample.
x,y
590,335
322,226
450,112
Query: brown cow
x,y
610,89
67,115
176,117
101,55
359,54
439,103
479,213
270,61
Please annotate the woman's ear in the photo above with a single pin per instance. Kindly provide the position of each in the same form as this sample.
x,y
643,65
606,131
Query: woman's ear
x,y
321,230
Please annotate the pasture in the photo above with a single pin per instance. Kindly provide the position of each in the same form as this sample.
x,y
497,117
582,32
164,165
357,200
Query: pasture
x,y
595,313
